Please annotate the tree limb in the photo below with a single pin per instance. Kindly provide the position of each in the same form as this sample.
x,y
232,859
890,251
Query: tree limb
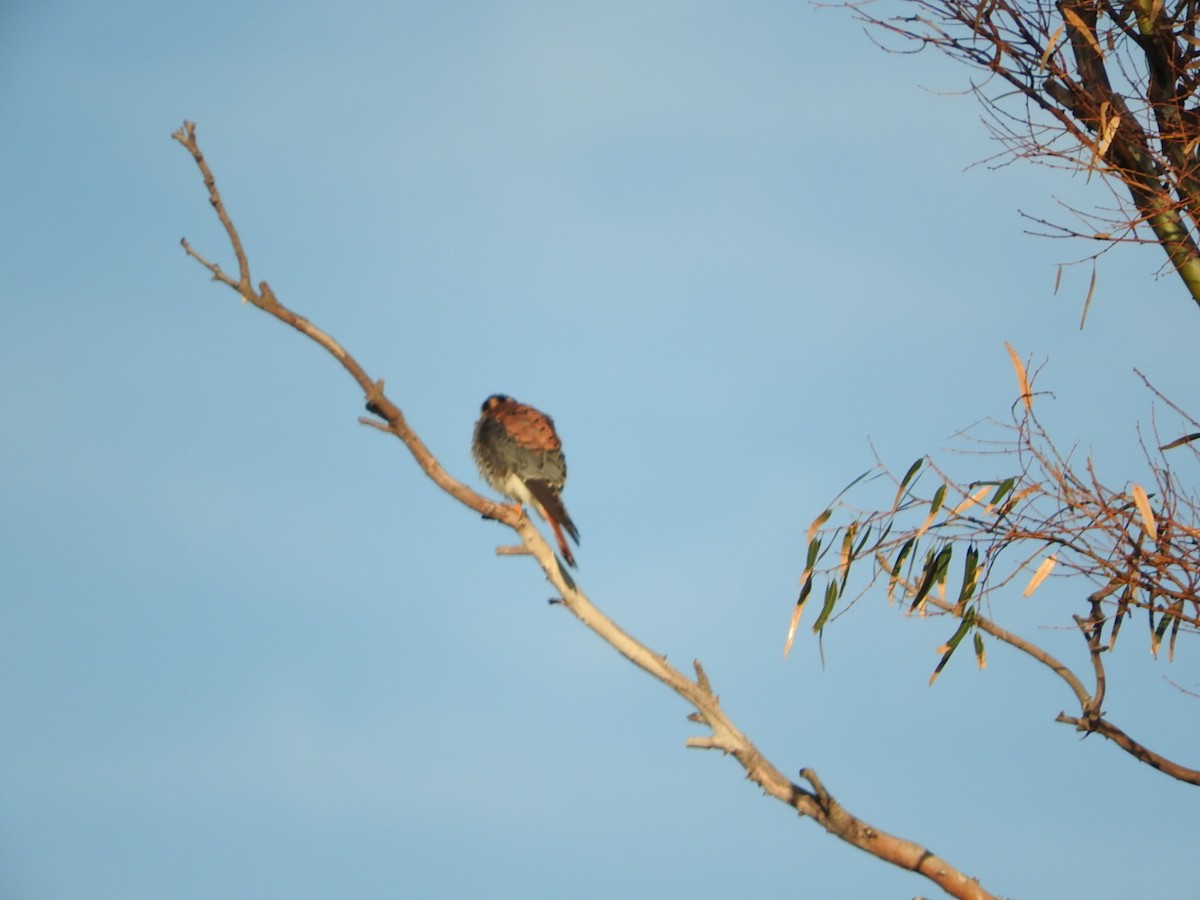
x,y
816,804
1091,719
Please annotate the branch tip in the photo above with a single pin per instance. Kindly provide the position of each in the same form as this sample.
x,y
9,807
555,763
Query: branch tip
x,y
701,679
818,786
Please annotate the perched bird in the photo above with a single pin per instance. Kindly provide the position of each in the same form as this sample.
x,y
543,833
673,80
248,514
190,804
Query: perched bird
x,y
519,454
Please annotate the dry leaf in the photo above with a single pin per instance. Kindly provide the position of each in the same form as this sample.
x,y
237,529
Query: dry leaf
x,y
925,525
847,548
1050,47
1042,573
1088,300
816,524
1022,379
972,500
791,635
1073,17
1142,502
1106,135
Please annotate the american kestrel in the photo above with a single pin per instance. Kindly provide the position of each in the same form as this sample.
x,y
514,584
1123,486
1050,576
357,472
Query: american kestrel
x,y
519,454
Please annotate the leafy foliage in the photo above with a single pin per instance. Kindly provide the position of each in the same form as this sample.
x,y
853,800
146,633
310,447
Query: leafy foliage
x,y
1044,518
1090,86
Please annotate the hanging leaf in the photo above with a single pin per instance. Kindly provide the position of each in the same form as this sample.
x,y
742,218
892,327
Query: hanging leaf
x,y
1087,301
1001,492
970,501
814,547
947,649
856,481
980,652
817,523
1177,614
831,595
935,572
1022,379
862,542
938,497
970,575
1142,502
1076,22
887,529
1050,45
1167,617
848,558
1011,503
1122,611
855,553
1179,442
805,591
1042,573
1108,131
796,612
908,476
847,546
895,575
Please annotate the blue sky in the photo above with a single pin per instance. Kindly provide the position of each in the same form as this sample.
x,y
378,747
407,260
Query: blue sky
x,y
247,651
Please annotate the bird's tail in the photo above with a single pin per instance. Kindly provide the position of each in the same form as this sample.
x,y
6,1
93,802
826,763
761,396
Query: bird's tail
x,y
553,511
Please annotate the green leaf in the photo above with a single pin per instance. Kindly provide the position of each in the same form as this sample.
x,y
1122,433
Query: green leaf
x,y
951,645
903,555
970,571
1179,442
938,497
831,595
908,476
1168,616
935,573
1003,491
912,470
856,480
805,591
862,543
887,529
899,564
1121,613
814,547
846,556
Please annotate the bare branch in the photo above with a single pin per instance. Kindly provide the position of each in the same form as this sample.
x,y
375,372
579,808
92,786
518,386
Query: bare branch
x,y
1129,745
725,736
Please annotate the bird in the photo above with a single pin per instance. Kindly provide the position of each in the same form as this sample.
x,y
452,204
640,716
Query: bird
x,y
519,454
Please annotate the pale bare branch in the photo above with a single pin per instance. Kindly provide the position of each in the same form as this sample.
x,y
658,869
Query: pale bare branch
x,y
816,804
